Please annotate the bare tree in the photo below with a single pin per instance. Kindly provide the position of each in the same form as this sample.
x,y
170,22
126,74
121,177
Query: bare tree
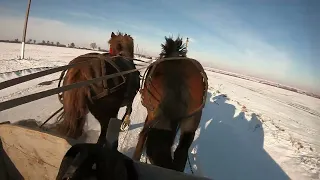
x,y
72,45
93,45
58,43
34,41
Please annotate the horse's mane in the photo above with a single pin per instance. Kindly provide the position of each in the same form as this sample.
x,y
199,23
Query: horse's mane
x,y
122,41
173,48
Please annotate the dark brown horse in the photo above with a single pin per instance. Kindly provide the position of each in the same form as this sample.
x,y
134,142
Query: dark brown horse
x,y
174,95
103,99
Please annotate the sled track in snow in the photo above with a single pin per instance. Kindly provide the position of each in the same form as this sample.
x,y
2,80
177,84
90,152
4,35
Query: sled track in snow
x,y
14,74
304,108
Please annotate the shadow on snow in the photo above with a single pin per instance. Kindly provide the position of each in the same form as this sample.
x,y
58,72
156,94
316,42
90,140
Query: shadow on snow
x,y
231,147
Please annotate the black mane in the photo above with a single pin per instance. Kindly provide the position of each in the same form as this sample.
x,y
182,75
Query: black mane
x,y
173,48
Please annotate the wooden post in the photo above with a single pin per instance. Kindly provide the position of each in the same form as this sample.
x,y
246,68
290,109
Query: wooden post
x,y
187,41
25,31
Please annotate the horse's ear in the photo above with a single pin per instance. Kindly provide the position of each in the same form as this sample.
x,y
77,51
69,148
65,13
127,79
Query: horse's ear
x,y
112,35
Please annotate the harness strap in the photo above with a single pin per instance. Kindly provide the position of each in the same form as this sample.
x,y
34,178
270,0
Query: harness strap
x,y
107,90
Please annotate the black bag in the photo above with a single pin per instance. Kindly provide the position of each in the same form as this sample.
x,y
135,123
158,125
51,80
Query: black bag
x,y
94,161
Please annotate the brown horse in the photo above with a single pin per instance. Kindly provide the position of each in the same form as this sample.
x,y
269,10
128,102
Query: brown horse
x,y
103,99
174,95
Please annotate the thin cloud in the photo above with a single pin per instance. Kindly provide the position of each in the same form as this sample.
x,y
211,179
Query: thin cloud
x,y
52,30
229,42
246,48
144,28
57,30
217,36
192,40
87,15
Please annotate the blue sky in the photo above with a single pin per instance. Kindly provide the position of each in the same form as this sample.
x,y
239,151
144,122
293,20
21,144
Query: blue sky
x,y
276,40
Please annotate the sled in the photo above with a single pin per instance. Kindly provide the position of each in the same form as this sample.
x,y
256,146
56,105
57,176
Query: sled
x,y
27,153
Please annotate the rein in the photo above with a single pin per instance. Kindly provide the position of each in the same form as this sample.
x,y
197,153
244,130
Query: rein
x,y
19,80
25,99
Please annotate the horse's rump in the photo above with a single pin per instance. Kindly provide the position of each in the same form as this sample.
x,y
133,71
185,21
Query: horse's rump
x,y
193,83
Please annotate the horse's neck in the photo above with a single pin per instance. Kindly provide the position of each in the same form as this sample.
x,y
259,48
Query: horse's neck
x,y
130,54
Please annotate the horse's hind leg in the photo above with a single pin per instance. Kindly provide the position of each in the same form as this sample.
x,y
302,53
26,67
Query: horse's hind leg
x,y
158,147
181,153
188,128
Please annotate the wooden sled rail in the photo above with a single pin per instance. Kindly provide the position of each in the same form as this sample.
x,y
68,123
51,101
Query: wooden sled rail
x,y
33,154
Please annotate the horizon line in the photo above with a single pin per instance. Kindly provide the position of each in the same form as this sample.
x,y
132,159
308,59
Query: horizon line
x,y
224,71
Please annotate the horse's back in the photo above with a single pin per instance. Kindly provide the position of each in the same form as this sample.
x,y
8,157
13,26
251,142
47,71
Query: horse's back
x,y
88,56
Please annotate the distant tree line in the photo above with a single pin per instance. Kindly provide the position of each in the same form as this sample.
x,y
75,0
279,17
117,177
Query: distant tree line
x,y
43,42
93,45
58,44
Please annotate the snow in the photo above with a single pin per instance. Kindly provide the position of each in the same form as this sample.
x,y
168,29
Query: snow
x,y
248,130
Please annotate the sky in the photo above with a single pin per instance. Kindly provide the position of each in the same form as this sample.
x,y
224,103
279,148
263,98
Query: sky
x,y
277,40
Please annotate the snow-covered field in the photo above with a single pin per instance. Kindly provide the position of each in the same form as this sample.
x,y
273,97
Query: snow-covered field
x,y
248,130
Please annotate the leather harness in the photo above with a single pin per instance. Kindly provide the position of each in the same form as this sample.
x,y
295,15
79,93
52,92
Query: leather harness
x,y
117,64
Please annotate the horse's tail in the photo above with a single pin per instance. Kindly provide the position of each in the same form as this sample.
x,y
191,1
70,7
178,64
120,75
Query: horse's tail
x,y
75,109
176,92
